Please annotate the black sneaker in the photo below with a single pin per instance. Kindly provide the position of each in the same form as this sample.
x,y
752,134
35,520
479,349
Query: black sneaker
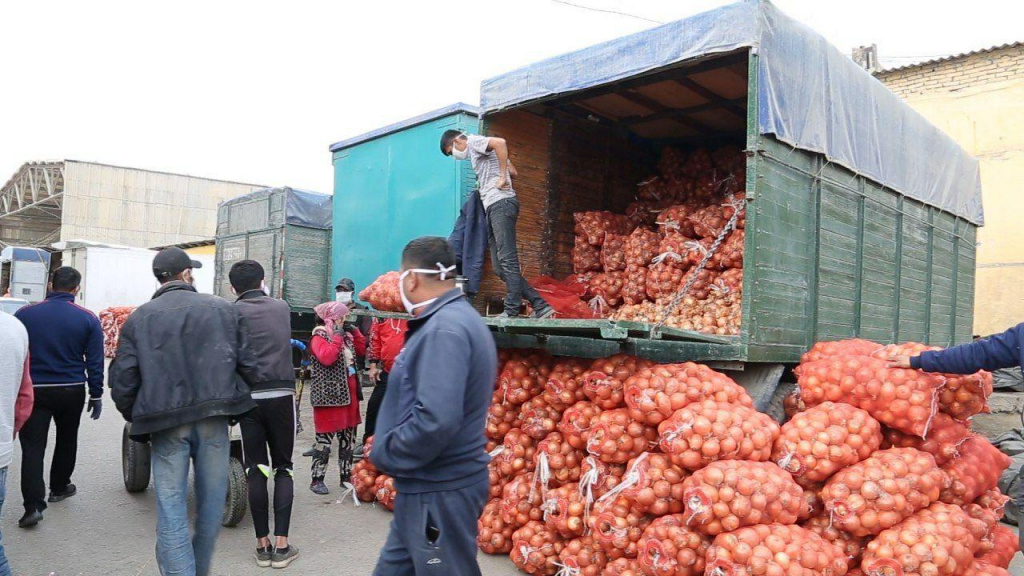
x,y
264,556
30,519
282,558
62,495
318,487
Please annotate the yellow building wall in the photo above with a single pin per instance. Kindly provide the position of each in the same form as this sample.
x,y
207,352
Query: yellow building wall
x,y
202,250
979,101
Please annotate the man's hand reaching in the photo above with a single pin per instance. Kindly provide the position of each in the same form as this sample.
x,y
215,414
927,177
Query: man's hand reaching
x,y
899,362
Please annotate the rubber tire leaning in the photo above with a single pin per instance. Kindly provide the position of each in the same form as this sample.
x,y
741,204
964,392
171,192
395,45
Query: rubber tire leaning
x,y
135,463
238,495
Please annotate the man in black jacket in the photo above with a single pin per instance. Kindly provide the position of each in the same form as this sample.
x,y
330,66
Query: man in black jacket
x,y
176,378
267,323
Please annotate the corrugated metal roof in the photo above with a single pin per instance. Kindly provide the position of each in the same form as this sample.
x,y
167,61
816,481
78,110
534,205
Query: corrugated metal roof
x,y
951,57
458,107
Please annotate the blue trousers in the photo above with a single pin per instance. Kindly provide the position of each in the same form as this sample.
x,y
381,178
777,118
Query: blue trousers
x,y
204,444
434,533
5,568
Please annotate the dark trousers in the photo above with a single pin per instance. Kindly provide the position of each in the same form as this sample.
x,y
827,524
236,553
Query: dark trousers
x,y
434,533
501,230
270,425
373,407
63,405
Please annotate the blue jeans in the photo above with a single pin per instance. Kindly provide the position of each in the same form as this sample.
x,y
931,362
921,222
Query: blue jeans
x,y
204,443
5,568
501,228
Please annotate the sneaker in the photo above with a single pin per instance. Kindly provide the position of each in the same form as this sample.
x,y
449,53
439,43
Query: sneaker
x,y
282,558
506,315
62,495
309,453
264,556
543,313
30,519
318,487
357,454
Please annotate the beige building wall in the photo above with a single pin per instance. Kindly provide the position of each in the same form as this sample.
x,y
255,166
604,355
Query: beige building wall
x,y
978,99
140,208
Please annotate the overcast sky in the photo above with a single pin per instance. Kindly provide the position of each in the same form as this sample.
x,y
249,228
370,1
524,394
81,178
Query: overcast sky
x,y
256,91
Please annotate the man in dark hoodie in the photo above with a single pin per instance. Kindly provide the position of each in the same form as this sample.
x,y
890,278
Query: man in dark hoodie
x,y
430,431
267,323
176,378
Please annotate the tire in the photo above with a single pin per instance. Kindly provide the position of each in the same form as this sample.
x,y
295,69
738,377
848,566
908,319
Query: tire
x,y
238,495
135,464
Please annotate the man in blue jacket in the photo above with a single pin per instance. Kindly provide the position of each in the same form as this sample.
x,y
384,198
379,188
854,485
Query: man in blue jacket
x,y
66,350
430,431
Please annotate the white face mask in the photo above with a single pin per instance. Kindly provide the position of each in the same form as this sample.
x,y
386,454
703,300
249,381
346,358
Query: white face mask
x,y
409,306
460,154
264,289
343,297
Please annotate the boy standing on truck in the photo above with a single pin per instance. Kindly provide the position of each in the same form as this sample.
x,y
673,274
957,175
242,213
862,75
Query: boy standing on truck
x,y
494,173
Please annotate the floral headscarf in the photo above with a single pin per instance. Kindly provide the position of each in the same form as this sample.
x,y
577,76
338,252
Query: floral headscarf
x,y
333,314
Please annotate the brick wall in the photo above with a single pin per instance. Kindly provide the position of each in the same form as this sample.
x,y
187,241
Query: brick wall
x,y
952,75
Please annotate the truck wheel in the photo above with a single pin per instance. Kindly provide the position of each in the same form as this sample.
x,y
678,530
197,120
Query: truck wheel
x,y
238,495
134,462
775,408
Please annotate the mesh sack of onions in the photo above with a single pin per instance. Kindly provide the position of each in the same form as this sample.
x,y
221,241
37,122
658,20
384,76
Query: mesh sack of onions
x,y
563,509
521,500
698,164
979,568
707,431
730,253
538,417
813,504
959,524
906,400
594,226
634,289
517,455
963,395
916,547
111,321
673,220
736,201
731,494
851,546
643,212
730,281
385,492
577,421
582,557
653,394
945,436
975,471
672,163
495,536
605,381
641,247
364,480
617,528
708,222
565,383
598,478
774,550
643,312
383,294
607,292
623,567
495,478
653,189
613,252
694,251
1005,546
501,417
585,256
882,490
824,439
701,287
557,463
652,484
673,251
524,377
616,438
663,280
535,549
669,548
994,501
852,347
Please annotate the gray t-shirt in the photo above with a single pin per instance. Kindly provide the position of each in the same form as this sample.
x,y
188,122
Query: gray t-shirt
x,y
485,163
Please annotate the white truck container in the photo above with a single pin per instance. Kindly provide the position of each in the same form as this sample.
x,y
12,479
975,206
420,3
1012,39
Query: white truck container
x,y
24,273
111,275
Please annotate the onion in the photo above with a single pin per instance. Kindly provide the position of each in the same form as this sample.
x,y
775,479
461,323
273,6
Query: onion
x,y
730,494
655,393
669,548
495,536
708,431
535,549
774,550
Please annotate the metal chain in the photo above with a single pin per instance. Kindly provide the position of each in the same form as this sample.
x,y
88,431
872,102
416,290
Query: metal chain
x,y
696,270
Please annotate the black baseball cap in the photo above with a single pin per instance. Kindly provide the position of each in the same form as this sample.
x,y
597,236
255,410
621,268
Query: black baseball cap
x,y
171,262
346,285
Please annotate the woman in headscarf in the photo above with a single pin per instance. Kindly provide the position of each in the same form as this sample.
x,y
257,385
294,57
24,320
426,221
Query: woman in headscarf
x,y
333,391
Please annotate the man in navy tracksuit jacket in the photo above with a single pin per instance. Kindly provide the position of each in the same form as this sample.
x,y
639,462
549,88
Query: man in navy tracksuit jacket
x,y
66,349
430,430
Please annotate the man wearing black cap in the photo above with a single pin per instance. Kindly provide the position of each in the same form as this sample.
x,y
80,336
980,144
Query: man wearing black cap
x,y
176,378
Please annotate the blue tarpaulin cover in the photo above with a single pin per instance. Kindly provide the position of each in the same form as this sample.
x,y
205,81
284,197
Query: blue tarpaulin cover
x,y
810,95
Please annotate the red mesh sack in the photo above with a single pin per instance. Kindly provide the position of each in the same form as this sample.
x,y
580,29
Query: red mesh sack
x,y
565,296
731,494
669,548
652,484
585,256
577,421
906,400
617,528
517,455
593,226
674,220
597,478
730,253
852,547
673,251
495,536
994,501
520,502
607,291
1005,546
557,463
698,164
672,163
663,280
111,321
701,287
774,550
976,470
959,524
730,281
604,383
582,557
616,438
364,480
613,252
634,290
882,490
563,511
496,479
641,247
385,492
963,395
945,437
623,567
708,431
653,394
538,418
524,377
535,549
813,504
565,383
916,547
736,201
694,252
853,347
643,213
824,439
653,189
708,222
979,568
383,294
501,417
